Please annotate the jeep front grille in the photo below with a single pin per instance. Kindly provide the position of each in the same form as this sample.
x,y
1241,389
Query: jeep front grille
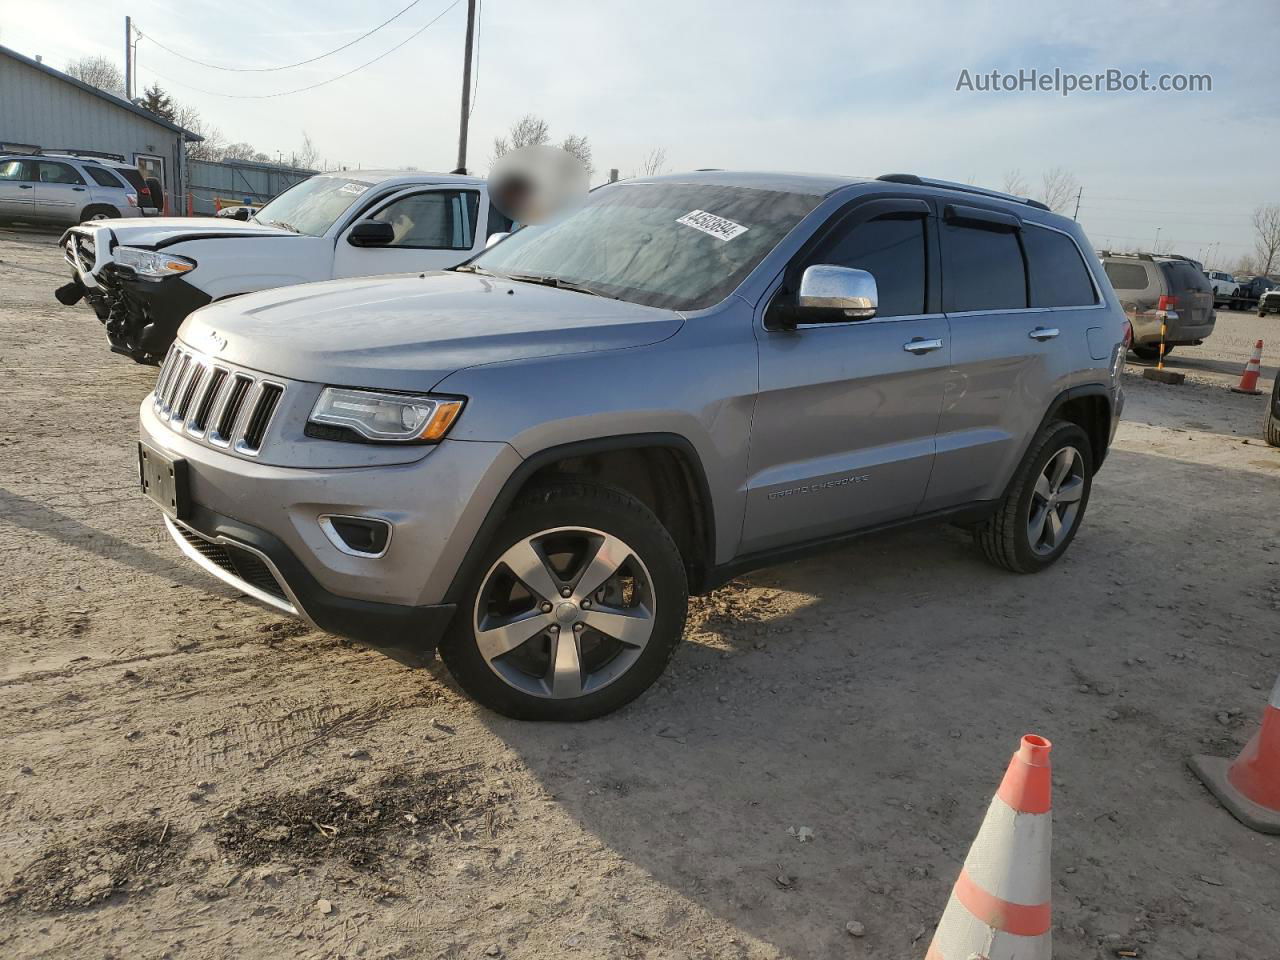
x,y
214,402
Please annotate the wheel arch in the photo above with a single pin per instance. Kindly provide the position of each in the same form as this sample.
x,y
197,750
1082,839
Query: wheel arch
x,y
662,470
1088,406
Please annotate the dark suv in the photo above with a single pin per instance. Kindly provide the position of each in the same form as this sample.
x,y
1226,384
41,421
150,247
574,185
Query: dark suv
x,y
531,459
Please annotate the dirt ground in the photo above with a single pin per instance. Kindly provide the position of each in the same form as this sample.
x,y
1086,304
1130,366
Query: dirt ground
x,y
184,774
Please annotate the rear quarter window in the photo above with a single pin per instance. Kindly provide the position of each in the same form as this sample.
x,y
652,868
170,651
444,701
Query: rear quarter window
x,y
1057,274
1127,276
982,270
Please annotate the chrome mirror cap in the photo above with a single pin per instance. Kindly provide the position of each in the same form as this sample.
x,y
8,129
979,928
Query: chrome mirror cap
x,y
827,287
494,238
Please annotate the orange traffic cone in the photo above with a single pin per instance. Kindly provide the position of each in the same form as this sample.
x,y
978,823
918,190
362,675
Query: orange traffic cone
x,y
999,907
1250,787
1249,378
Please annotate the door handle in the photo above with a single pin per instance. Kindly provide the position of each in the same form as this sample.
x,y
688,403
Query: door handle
x,y
919,345
78,189
24,186
1043,333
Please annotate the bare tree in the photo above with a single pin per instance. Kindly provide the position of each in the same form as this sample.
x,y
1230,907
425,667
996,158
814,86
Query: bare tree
x,y
528,131
1247,265
308,157
654,163
579,147
211,147
97,72
1015,183
1266,228
1058,188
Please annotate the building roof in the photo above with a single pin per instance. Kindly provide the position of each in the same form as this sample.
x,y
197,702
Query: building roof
x,y
120,102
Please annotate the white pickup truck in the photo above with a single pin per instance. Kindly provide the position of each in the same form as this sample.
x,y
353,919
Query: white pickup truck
x,y
143,277
1224,285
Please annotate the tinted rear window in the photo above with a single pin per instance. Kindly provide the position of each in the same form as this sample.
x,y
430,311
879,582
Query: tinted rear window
x,y
102,176
134,178
1059,277
982,270
1126,276
1183,276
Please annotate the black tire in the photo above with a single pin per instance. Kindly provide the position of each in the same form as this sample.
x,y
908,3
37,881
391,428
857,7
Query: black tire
x,y
1271,424
98,211
1003,537
1150,352
574,504
1262,313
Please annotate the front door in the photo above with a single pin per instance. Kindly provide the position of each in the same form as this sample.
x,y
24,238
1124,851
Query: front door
x,y
843,432
434,229
18,179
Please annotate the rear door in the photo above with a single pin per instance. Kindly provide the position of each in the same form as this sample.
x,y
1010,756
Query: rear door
x,y
1016,336
434,228
843,431
61,194
18,181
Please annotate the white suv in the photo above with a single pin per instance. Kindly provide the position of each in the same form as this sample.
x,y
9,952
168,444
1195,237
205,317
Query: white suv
x,y
143,278
1224,286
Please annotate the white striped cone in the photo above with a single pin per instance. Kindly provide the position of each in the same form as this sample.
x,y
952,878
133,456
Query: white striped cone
x,y
1252,370
999,907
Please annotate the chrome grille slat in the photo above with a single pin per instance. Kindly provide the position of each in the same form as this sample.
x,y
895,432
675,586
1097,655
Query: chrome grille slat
x,y
216,403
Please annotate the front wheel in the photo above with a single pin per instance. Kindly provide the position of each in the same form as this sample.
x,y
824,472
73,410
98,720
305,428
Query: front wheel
x,y
1271,425
1041,511
579,604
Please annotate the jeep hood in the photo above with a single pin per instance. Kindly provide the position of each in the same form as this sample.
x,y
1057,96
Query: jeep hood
x,y
153,232
410,332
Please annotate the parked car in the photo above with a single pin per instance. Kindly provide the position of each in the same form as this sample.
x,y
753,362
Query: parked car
x,y
1269,302
1155,290
142,279
532,459
1224,285
1248,291
60,188
241,211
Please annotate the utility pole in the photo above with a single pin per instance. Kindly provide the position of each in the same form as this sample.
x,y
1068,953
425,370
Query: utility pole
x,y
466,86
1155,247
128,58
1079,193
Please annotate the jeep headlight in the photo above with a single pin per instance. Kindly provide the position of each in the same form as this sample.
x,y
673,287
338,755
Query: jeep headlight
x,y
150,265
386,417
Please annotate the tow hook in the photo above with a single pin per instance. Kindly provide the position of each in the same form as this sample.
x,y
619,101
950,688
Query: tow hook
x,y
69,294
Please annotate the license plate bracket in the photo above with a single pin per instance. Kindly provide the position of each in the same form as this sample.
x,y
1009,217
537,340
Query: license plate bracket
x,y
164,481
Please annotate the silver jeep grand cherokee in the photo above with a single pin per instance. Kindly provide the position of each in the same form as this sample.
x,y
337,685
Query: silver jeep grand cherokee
x,y
531,460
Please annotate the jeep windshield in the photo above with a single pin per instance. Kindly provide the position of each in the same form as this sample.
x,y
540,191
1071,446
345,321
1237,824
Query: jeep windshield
x,y
312,206
680,246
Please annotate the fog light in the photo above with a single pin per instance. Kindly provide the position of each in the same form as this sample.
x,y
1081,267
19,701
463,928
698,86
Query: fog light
x,y
357,536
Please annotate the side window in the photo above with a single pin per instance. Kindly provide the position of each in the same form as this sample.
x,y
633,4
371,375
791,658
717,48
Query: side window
x,y
891,249
1059,277
498,223
1126,276
433,219
102,176
17,170
981,269
51,172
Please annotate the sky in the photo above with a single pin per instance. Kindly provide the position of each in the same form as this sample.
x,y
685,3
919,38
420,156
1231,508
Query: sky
x,y
836,87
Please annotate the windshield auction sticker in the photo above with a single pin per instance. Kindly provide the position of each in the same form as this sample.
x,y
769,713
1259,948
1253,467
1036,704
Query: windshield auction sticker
x,y
353,187
713,226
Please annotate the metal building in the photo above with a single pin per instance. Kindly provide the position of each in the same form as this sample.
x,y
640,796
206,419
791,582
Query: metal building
x,y
42,107
234,181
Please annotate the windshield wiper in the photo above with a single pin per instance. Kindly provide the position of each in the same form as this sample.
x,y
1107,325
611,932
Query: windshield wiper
x,y
559,284
287,226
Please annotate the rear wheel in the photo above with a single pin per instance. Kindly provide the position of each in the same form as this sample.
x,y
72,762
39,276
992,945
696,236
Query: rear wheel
x,y
99,212
578,606
1038,516
1271,425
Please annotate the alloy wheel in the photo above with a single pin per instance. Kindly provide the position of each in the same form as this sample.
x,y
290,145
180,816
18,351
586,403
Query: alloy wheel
x,y
564,612
1055,501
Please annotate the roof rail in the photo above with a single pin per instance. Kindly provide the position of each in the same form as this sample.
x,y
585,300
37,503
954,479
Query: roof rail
x,y
73,152
916,181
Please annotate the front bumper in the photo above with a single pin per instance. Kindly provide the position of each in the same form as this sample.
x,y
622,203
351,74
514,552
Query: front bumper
x,y
272,513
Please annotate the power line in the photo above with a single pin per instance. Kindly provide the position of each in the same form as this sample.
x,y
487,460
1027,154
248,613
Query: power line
x,y
287,66
286,93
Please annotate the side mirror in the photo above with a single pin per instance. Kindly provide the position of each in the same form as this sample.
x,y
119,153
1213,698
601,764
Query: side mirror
x,y
371,233
831,294
241,214
494,238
